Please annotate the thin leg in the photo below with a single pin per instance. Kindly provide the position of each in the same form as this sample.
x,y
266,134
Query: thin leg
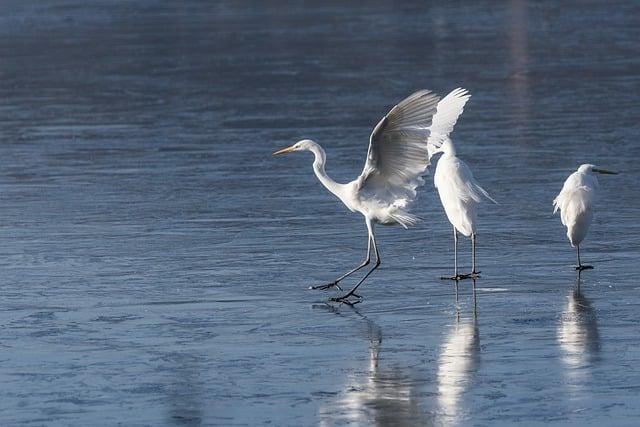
x,y
334,284
581,266
474,272
455,252
456,276
473,250
345,298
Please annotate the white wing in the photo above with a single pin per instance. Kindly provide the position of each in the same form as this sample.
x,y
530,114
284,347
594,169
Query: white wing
x,y
575,202
463,186
577,195
398,156
448,111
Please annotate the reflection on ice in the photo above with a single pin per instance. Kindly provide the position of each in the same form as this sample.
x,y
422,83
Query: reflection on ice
x,y
382,397
578,336
458,361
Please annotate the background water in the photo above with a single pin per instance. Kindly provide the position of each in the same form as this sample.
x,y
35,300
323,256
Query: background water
x,y
155,258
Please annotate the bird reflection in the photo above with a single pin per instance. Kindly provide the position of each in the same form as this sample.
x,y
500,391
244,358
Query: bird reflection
x,y
381,397
578,335
185,398
459,359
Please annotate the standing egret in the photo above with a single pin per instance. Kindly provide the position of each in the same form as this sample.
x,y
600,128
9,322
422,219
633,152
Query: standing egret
x,y
397,158
575,202
459,192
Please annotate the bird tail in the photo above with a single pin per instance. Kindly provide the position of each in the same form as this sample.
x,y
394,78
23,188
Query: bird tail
x,y
404,218
485,194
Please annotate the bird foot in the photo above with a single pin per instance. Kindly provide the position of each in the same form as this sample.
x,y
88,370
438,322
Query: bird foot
x,y
473,275
325,287
344,299
584,267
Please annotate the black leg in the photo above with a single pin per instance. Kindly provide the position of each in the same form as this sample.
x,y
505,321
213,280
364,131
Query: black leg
x,y
456,276
581,266
334,284
345,298
474,274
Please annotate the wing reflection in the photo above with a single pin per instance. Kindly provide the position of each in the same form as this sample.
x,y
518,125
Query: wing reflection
x,y
458,361
381,397
578,335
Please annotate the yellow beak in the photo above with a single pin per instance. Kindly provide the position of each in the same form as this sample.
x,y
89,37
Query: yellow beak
x,y
283,151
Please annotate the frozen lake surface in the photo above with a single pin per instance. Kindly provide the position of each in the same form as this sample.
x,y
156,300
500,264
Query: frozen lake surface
x,y
155,258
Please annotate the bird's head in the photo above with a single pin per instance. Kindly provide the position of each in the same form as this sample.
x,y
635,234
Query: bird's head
x,y
589,168
303,145
443,146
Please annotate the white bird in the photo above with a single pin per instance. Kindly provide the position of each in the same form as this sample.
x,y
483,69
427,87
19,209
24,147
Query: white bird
x,y
459,192
575,202
397,158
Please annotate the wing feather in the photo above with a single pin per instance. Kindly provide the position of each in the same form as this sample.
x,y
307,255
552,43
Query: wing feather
x,y
398,155
447,114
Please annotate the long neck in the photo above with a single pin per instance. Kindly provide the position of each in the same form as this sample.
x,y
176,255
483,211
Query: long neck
x,y
318,169
448,148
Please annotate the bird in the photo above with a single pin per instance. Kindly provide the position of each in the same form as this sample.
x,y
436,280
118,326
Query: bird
x,y
459,191
575,202
396,160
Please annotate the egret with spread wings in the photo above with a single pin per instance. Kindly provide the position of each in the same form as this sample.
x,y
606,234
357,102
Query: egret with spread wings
x,y
459,191
396,160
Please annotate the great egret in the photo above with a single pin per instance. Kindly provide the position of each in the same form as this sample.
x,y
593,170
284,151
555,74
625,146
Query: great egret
x,y
397,158
575,202
459,192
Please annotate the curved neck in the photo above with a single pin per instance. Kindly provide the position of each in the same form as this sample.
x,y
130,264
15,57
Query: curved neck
x,y
318,169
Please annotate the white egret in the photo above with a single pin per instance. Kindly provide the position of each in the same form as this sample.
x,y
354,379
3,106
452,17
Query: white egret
x,y
397,158
575,202
459,192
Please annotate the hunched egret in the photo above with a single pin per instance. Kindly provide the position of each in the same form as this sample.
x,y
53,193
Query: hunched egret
x,y
459,192
397,158
575,202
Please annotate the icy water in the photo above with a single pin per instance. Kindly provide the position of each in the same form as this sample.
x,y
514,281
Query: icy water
x,y
155,258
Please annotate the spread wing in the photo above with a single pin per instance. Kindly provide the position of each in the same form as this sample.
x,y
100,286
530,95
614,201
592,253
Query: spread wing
x,y
448,111
398,156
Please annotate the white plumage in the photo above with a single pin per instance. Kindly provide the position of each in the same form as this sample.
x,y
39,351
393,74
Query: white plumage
x,y
459,191
575,202
397,158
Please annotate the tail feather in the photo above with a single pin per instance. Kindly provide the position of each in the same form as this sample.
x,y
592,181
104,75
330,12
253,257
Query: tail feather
x,y
485,194
405,219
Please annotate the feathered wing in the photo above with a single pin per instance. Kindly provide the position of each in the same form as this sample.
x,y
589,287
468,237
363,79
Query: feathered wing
x,y
576,212
465,184
459,193
398,155
448,111
575,203
577,195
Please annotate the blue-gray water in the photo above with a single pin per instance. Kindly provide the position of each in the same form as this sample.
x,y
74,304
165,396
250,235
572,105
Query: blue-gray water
x,y
155,258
